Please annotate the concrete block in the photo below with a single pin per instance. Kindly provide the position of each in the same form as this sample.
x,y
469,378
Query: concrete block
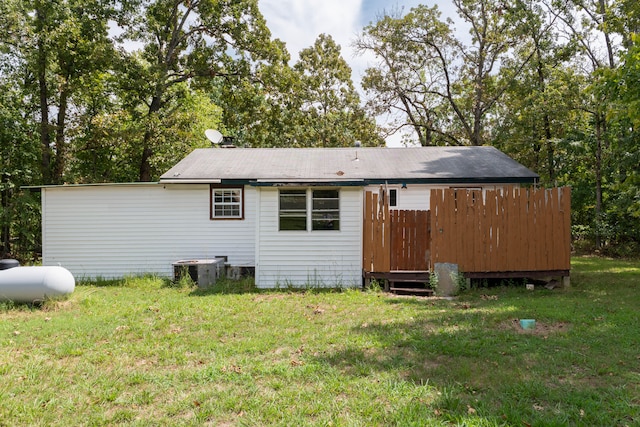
x,y
448,279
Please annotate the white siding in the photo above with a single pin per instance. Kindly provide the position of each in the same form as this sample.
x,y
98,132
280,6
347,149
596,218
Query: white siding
x,y
418,196
327,258
414,197
116,230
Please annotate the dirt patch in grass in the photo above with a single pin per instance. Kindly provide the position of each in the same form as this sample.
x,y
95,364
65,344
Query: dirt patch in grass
x,y
269,297
542,328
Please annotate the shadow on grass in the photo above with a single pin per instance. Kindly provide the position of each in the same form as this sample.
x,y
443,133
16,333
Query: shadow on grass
x,y
226,286
246,285
483,365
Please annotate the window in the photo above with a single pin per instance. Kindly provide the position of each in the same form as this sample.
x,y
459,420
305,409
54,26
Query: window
x,y
293,210
326,210
393,197
227,203
309,209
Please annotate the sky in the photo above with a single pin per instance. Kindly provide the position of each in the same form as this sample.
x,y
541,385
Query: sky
x,y
299,22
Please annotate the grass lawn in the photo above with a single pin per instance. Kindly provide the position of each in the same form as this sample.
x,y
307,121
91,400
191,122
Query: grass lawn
x,y
139,352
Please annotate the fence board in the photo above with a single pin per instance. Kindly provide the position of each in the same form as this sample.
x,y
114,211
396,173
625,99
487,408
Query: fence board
x,y
495,231
394,240
565,196
367,238
410,237
509,230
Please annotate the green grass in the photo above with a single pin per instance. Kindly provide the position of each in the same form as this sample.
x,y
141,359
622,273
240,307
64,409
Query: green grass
x,y
139,352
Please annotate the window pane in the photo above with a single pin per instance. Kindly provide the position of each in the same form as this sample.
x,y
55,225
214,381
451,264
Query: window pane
x,y
326,224
325,194
293,210
293,202
393,197
227,203
324,204
293,223
326,210
293,199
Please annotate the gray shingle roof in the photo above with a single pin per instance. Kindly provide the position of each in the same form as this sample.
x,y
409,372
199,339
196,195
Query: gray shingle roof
x,y
349,165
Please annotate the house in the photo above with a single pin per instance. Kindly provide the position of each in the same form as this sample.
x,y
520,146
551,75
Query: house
x,y
294,215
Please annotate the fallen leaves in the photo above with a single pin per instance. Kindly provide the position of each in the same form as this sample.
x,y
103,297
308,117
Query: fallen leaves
x,y
316,309
232,369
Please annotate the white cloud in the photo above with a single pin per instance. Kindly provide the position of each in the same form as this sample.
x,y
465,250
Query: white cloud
x,y
299,22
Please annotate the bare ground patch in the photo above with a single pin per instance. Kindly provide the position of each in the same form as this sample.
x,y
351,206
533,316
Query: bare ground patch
x,y
541,328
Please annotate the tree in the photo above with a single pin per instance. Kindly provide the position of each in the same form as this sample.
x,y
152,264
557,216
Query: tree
x,y
622,200
587,24
406,82
62,45
445,87
313,103
185,41
106,147
18,166
537,110
330,106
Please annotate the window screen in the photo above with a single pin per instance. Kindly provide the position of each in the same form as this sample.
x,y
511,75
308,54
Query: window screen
x,y
293,210
325,210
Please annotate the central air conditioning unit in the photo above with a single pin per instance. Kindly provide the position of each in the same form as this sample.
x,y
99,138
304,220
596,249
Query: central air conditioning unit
x,y
204,272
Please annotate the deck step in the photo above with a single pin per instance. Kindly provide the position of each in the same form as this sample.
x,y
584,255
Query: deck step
x,y
410,280
412,291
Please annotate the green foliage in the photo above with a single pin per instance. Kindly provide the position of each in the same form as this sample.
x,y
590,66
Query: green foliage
x,y
185,44
329,106
312,104
19,210
184,280
374,286
446,89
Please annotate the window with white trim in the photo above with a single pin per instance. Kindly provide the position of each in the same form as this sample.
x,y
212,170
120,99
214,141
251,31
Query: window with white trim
x,y
227,203
303,210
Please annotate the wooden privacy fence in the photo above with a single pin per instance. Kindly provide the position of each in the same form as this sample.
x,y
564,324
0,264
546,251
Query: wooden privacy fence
x,y
410,240
509,230
394,240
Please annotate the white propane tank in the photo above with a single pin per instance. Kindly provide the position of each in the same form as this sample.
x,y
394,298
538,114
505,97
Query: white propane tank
x,y
35,283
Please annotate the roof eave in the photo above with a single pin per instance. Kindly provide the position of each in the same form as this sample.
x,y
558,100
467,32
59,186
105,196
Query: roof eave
x,y
190,181
438,181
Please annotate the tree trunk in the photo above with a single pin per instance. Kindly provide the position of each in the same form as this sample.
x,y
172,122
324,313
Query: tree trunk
x,y
605,30
45,136
546,120
145,166
598,166
550,149
5,251
61,146
147,150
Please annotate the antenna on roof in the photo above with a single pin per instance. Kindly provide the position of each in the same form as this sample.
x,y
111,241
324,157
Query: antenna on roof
x,y
214,136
